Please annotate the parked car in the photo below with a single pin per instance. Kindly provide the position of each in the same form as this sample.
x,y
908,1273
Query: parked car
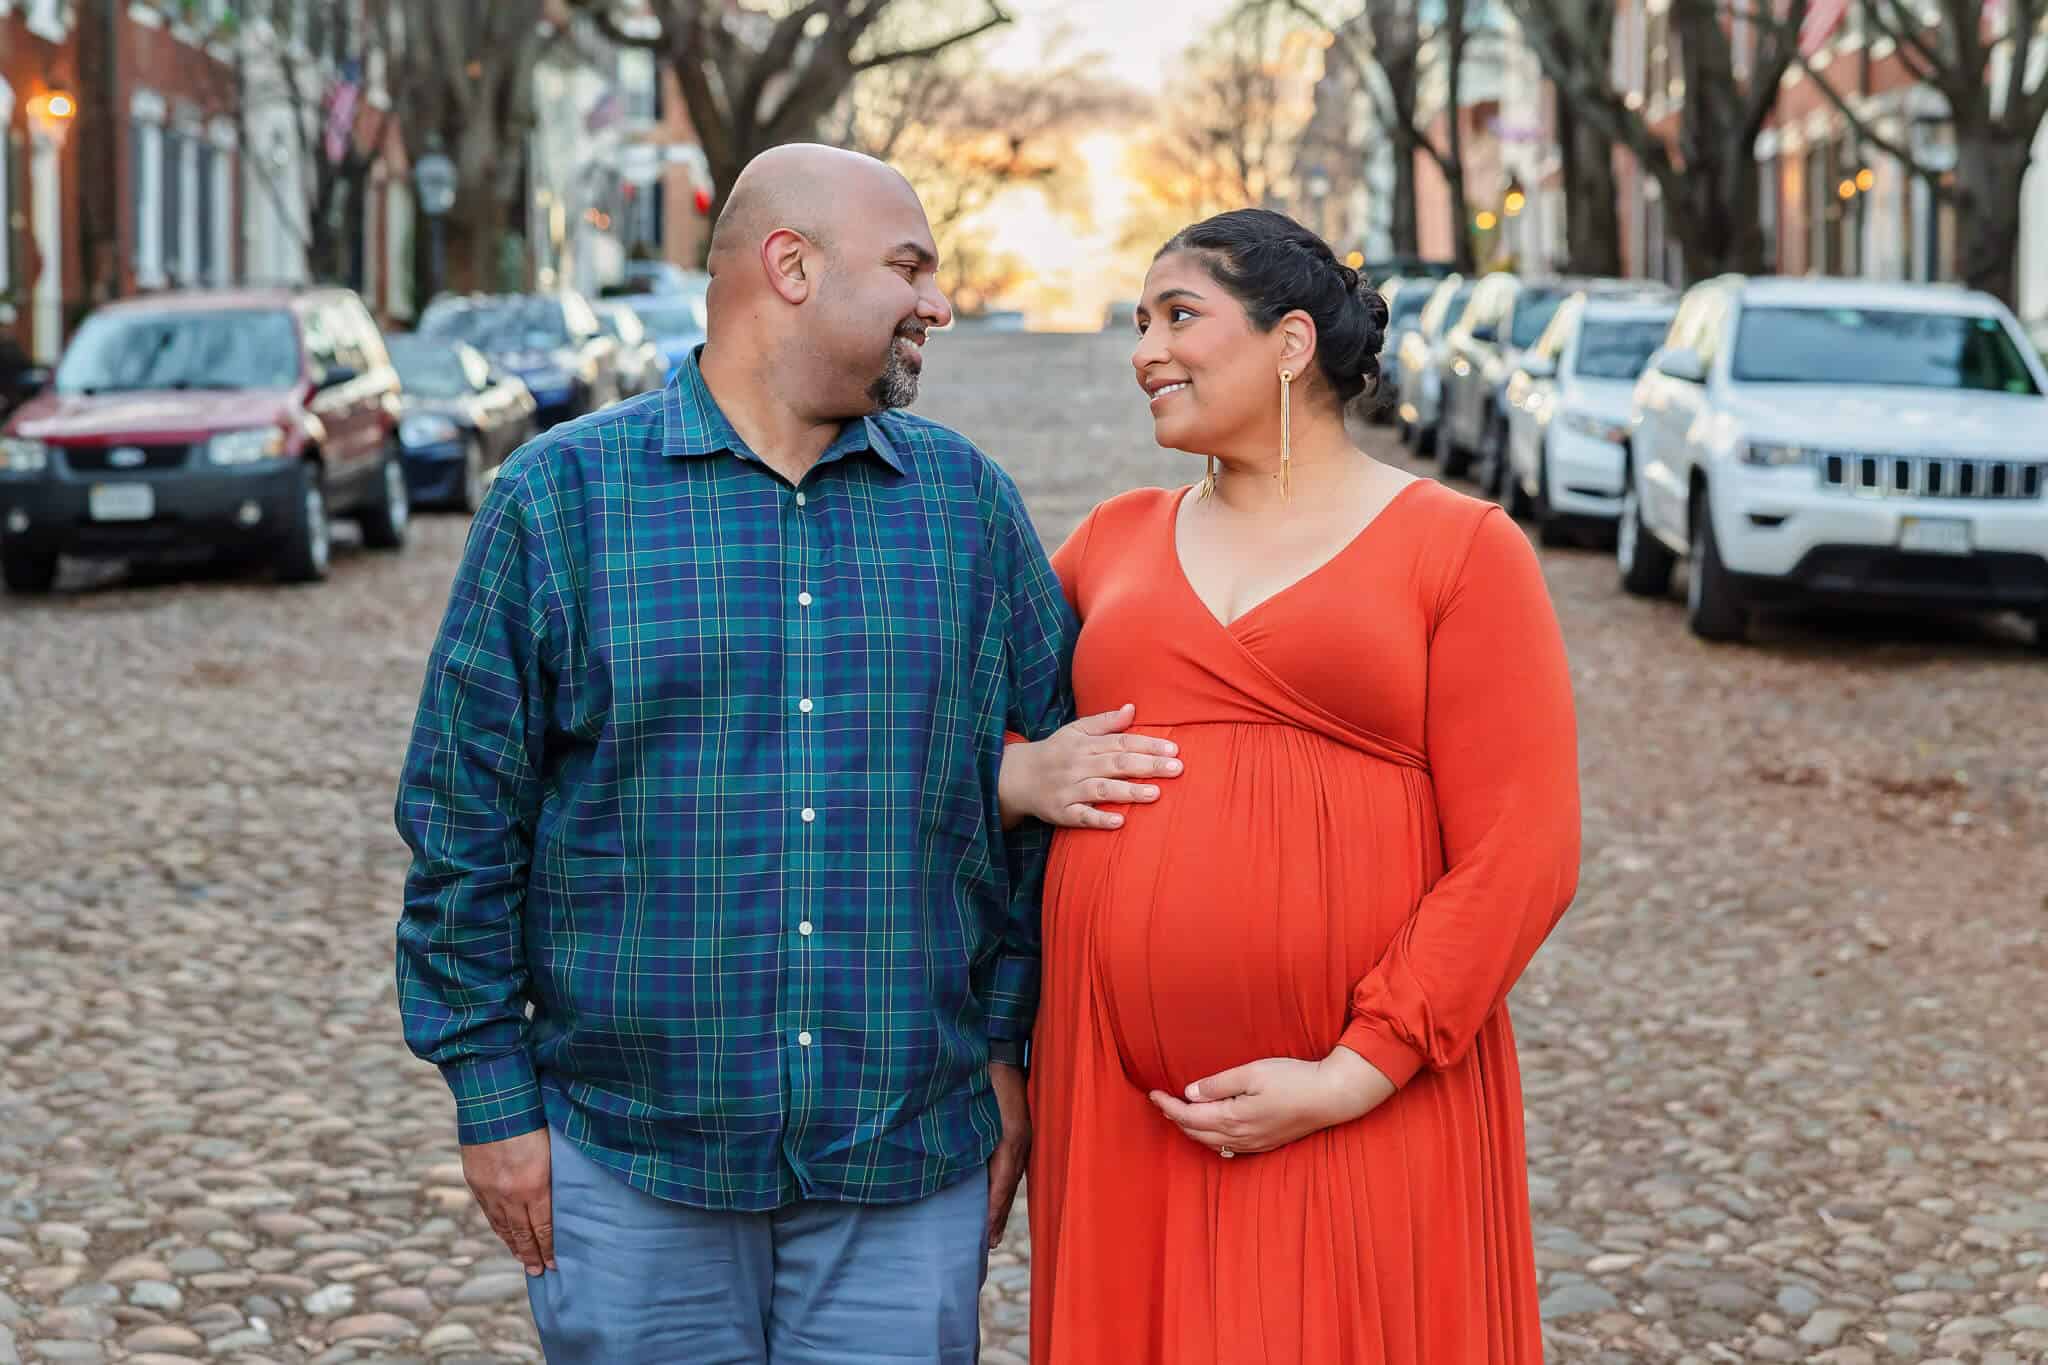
x,y
653,277
552,342
1842,440
1506,315
640,365
1409,267
462,416
20,378
1567,407
675,321
1405,296
230,420
1421,351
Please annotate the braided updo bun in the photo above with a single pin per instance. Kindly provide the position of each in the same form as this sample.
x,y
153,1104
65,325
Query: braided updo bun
x,y
1274,266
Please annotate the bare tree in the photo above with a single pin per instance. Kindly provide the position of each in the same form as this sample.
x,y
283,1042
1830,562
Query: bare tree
x,y
1391,47
1592,213
1708,176
462,78
964,135
1996,116
1227,136
757,76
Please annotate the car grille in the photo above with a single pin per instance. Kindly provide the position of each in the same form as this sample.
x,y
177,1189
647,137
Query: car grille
x,y
1930,476
97,459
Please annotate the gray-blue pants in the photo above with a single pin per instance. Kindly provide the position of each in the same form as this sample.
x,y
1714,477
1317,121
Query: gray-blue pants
x,y
643,1281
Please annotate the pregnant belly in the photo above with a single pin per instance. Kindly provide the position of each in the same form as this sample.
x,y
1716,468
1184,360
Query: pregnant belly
x,y
1230,921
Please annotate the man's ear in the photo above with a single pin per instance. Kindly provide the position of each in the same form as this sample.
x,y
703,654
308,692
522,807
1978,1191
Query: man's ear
x,y
787,257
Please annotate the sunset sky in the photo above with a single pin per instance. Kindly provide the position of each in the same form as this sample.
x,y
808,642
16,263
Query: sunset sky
x,y
1080,271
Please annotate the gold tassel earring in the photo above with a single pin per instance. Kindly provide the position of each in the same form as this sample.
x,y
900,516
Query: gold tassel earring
x,y
1286,440
1208,481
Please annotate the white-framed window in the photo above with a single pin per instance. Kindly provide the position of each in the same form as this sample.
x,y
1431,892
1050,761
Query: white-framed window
x,y
188,256
219,189
147,114
6,186
49,19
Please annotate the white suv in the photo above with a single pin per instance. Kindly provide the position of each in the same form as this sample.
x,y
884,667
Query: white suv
x,y
1839,439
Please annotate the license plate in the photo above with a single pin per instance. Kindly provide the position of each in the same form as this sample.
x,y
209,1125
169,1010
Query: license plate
x,y
1934,535
122,502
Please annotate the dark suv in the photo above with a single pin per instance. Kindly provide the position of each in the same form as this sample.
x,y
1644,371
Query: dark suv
x,y
552,342
206,420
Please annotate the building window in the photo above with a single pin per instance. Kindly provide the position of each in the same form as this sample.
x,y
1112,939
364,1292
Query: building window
x,y
220,189
7,244
147,187
172,204
1767,190
209,263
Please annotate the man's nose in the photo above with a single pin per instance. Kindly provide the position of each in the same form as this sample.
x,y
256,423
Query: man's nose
x,y
934,309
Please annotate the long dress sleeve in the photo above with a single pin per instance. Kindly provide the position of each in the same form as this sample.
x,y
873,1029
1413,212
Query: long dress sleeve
x,y
1502,747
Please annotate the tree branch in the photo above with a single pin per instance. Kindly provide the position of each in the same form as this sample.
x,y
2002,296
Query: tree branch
x,y
997,17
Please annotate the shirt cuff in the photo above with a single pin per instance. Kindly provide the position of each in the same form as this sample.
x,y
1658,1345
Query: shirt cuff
x,y
495,1098
1013,1002
1371,1040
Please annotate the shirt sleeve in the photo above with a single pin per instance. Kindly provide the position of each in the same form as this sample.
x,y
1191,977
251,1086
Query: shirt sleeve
x,y
1503,751
468,798
1037,646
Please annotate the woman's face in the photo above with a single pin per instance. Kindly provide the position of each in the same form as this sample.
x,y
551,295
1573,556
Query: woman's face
x,y
1211,378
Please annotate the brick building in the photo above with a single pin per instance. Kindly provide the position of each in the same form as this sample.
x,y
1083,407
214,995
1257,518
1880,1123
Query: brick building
x,y
40,276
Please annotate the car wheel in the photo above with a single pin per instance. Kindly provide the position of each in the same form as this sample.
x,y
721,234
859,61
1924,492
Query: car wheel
x,y
1645,562
2041,631
1425,441
29,573
1493,460
1713,604
1455,458
385,520
307,548
472,495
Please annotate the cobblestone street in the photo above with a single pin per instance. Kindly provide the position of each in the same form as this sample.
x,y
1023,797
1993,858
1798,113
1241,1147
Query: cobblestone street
x,y
1783,1058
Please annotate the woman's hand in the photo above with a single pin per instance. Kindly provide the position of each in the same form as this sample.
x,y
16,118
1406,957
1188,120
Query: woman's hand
x,y
1061,778
1268,1104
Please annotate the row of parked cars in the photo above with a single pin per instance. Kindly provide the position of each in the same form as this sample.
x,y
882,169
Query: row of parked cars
x,y
243,421
1794,440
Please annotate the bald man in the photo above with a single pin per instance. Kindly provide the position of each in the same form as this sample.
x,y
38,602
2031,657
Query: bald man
x,y
722,923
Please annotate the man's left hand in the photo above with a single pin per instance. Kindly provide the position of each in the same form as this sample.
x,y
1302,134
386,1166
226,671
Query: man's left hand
x,y
1268,1104
1006,1167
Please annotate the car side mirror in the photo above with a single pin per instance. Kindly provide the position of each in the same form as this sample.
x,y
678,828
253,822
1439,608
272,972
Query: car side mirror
x,y
1682,363
336,375
1539,367
33,380
1486,332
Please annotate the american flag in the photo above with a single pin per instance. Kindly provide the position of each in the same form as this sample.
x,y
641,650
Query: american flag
x,y
342,102
1823,17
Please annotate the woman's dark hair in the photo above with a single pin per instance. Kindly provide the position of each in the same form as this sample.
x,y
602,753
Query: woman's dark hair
x,y
1273,265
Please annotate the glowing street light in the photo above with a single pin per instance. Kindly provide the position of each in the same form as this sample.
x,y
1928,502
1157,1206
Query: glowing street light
x,y
1355,259
1486,220
1866,179
1514,202
1847,189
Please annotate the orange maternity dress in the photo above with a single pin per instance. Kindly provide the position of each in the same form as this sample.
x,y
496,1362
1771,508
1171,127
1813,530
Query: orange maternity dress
x,y
1378,824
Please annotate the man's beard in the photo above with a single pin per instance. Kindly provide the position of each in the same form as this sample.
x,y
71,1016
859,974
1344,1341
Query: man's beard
x,y
897,385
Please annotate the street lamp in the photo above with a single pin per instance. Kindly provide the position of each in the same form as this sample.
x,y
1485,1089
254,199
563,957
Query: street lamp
x,y
433,177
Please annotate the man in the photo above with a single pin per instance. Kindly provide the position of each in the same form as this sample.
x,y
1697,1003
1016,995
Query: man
x,y
712,926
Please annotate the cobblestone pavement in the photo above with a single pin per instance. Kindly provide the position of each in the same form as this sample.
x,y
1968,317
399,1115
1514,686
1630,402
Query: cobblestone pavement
x,y
1783,1059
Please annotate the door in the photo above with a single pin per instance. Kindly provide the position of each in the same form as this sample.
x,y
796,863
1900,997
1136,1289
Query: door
x,y
47,221
1666,477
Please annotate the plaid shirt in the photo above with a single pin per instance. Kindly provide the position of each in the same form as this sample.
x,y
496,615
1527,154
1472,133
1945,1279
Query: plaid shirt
x,y
704,776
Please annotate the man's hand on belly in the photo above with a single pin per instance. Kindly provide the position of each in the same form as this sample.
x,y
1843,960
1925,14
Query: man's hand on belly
x,y
1085,763
1267,1104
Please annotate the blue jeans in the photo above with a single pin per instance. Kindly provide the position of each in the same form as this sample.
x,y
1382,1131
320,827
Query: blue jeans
x,y
643,1281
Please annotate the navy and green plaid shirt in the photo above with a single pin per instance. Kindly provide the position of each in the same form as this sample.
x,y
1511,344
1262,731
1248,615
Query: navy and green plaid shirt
x,y
708,868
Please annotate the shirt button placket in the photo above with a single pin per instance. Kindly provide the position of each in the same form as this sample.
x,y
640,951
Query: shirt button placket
x,y
802,652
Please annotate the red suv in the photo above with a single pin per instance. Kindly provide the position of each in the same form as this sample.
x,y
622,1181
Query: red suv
x,y
206,420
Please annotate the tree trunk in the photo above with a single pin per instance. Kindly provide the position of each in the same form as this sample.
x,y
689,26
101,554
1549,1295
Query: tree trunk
x,y
1406,233
1991,165
1592,232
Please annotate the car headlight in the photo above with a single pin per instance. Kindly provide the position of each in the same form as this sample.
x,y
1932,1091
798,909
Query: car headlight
x,y
1772,454
1600,429
246,447
21,455
426,429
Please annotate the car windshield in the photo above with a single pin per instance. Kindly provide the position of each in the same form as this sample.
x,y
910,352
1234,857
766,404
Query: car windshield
x,y
676,319
130,350
510,325
1618,349
1408,306
428,367
1896,347
1533,311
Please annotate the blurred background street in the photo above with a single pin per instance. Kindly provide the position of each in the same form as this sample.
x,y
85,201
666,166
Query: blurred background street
x,y
1738,309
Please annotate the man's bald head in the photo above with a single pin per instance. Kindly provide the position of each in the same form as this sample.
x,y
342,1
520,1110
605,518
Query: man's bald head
x,y
803,187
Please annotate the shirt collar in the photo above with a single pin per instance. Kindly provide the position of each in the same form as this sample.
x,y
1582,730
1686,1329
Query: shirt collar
x,y
696,427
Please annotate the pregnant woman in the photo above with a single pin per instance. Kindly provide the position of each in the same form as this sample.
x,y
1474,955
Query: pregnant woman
x,y
1278,1115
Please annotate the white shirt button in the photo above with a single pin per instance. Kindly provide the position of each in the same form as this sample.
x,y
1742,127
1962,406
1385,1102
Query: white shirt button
x,y
804,1039
800,500
809,815
804,928
804,706
803,599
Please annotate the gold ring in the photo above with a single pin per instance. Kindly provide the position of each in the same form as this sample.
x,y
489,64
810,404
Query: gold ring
x,y
1225,1153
